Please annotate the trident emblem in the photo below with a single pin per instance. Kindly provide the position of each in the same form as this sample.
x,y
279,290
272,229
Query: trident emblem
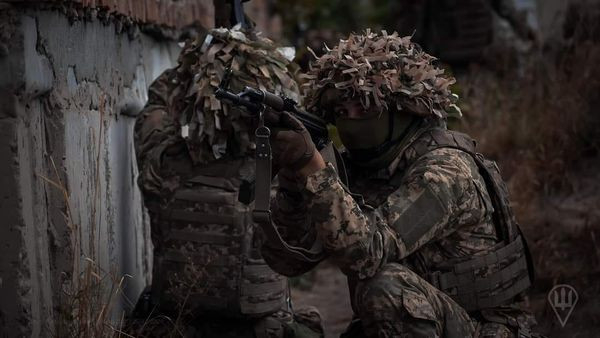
x,y
563,299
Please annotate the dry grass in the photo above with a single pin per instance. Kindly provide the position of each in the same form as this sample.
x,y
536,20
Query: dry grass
x,y
539,126
181,286
88,299
542,125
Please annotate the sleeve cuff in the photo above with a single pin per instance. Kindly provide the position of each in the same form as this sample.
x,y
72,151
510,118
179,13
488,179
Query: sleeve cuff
x,y
322,179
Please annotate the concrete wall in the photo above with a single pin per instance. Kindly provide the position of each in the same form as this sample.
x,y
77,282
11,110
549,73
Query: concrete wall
x,y
171,13
69,90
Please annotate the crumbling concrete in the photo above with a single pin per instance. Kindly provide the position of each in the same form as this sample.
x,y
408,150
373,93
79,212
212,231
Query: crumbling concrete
x,y
69,93
176,14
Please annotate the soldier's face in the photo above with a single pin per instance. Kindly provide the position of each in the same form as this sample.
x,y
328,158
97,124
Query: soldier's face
x,y
337,105
351,109
358,128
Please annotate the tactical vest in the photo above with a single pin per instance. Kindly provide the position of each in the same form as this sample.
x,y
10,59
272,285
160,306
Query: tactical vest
x,y
462,279
209,258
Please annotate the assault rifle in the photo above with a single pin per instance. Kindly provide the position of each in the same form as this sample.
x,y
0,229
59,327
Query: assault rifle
x,y
256,100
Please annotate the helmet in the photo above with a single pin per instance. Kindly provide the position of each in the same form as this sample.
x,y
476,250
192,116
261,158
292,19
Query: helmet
x,y
214,129
386,71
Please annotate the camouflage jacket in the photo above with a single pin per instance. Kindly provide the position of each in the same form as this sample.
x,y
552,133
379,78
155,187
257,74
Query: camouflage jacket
x,y
184,120
157,137
423,211
195,156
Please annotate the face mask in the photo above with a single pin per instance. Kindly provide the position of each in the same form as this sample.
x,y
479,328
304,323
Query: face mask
x,y
363,133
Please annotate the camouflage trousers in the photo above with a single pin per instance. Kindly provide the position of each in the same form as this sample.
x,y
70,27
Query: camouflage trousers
x,y
396,302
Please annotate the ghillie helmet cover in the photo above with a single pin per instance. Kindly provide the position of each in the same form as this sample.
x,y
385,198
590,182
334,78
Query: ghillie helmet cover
x,y
381,70
214,129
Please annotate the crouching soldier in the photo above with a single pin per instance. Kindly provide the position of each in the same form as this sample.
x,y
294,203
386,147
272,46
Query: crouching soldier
x,y
423,230
196,163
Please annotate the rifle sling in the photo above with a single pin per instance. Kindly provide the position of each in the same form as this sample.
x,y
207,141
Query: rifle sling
x,y
262,212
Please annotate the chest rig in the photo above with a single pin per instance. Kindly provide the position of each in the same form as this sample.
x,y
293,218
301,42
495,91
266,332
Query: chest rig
x,y
208,259
510,260
492,279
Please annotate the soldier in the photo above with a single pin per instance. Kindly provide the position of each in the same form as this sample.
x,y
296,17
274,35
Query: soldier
x,y
423,231
196,162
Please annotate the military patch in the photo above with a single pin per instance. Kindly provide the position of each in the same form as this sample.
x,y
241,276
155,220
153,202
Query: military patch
x,y
414,222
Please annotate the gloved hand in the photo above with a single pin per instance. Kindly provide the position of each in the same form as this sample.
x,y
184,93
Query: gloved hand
x,y
291,144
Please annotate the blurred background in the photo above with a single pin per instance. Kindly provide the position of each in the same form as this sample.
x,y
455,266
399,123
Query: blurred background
x,y
75,249
529,80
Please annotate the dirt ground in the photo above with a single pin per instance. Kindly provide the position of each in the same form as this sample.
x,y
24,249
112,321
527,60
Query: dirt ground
x,y
327,289
564,237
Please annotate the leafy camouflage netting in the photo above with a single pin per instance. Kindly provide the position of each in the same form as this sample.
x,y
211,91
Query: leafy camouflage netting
x,y
208,125
381,70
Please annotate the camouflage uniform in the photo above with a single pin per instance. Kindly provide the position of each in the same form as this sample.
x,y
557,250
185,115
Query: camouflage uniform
x,y
196,161
410,220
400,232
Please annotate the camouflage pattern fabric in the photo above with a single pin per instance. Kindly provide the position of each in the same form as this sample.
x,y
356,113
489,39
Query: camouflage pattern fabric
x,y
157,137
182,113
396,302
408,220
193,153
385,71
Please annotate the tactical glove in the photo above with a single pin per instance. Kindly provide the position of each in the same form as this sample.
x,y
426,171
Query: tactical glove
x,y
291,144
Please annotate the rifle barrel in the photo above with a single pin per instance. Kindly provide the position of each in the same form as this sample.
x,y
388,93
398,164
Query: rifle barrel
x,y
254,99
223,94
